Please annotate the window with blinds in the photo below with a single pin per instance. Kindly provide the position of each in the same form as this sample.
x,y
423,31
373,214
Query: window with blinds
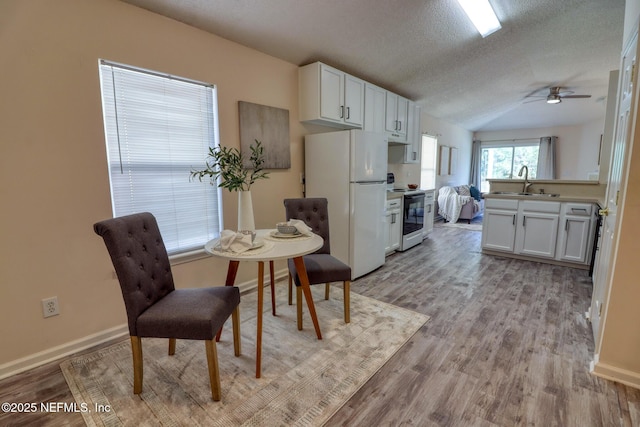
x,y
158,128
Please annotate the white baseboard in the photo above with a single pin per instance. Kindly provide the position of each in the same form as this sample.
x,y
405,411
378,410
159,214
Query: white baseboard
x,y
38,359
613,373
58,352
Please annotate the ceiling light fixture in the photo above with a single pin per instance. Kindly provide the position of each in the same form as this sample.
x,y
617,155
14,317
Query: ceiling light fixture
x,y
482,15
554,99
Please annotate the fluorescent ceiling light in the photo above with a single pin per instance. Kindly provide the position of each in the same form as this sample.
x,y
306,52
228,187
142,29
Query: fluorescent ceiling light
x,y
482,15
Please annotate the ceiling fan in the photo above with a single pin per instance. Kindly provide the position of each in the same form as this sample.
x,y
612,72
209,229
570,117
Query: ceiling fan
x,y
556,95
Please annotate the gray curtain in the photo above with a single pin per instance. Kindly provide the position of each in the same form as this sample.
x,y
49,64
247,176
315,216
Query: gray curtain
x,y
476,154
547,158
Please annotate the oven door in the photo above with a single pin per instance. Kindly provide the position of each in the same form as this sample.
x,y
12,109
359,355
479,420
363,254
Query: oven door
x,y
413,216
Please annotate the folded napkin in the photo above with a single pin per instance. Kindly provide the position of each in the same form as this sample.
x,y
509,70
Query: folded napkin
x,y
300,226
235,242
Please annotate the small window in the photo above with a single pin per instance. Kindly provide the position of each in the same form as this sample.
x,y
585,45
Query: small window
x,y
428,162
158,128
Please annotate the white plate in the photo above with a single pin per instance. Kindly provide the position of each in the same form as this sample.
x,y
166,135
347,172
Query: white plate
x,y
276,233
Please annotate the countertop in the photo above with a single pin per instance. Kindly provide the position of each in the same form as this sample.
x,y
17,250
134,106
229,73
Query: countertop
x,y
579,199
394,195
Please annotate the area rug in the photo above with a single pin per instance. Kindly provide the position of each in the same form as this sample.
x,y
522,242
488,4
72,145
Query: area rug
x,y
476,224
304,380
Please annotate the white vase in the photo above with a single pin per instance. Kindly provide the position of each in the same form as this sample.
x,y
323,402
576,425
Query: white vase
x,y
245,212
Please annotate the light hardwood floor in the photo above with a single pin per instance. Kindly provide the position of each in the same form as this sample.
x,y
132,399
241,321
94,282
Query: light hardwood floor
x,y
507,345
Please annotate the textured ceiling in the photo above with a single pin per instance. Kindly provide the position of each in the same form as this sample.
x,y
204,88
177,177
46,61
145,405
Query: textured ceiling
x,y
428,51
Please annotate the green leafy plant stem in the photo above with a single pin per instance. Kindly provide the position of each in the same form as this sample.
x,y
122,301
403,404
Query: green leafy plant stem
x,y
224,166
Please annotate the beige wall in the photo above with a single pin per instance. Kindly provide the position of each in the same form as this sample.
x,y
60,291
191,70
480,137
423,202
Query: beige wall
x,y
53,176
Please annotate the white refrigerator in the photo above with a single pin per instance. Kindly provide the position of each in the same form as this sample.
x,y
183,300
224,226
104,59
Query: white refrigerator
x,y
349,168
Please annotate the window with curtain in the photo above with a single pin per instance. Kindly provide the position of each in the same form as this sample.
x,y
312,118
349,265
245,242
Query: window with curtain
x,y
504,160
158,128
428,162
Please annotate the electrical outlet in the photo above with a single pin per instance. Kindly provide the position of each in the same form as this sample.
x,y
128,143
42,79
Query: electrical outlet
x,y
50,307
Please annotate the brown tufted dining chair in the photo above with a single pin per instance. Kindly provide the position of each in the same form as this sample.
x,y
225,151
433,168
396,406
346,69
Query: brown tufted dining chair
x,y
321,266
154,307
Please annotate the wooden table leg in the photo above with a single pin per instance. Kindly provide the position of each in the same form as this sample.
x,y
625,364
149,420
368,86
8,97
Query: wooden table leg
x,y
259,319
232,271
306,289
273,289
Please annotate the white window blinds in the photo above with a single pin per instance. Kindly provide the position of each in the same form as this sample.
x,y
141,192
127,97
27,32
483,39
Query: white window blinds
x,y
158,128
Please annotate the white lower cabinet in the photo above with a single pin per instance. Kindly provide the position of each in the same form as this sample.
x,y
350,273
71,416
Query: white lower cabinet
x,y
393,225
499,224
537,228
429,202
559,231
576,230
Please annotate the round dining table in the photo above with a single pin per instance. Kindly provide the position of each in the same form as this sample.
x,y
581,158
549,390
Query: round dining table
x,y
269,245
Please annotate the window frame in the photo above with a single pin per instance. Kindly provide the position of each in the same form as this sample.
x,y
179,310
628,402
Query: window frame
x,y
433,166
506,144
176,201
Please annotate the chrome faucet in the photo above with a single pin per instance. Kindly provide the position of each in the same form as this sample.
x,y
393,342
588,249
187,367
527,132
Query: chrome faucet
x,y
527,184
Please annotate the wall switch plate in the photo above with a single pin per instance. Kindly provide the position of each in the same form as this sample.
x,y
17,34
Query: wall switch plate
x,y
50,307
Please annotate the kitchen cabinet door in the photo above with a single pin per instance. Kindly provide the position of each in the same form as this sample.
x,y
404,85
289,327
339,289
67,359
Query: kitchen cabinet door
x,y
403,116
429,202
537,234
330,97
331,94
574,239
396,114
353,100
414,136
374,105
387,233
395,232
499,230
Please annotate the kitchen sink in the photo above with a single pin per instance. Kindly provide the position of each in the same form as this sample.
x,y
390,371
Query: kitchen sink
x,y
515,193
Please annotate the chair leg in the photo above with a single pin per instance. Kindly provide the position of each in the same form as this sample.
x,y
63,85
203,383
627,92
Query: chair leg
x,y
136,349
326,290
347,301
290,286
214,372
172,346
299,306
235,320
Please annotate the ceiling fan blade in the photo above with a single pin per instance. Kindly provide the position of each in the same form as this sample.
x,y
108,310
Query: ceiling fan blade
x,y
576,96
535,100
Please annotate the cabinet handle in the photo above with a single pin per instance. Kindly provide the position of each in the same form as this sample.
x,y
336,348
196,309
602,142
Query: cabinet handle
x,y
566,224
524,221
393,218
429,209
396,126
348,112
399,125
415,156
514,220
342,111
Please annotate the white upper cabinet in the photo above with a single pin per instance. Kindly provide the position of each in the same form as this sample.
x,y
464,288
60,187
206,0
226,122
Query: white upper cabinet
x,y
330,97
374,105
414,135
396,115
